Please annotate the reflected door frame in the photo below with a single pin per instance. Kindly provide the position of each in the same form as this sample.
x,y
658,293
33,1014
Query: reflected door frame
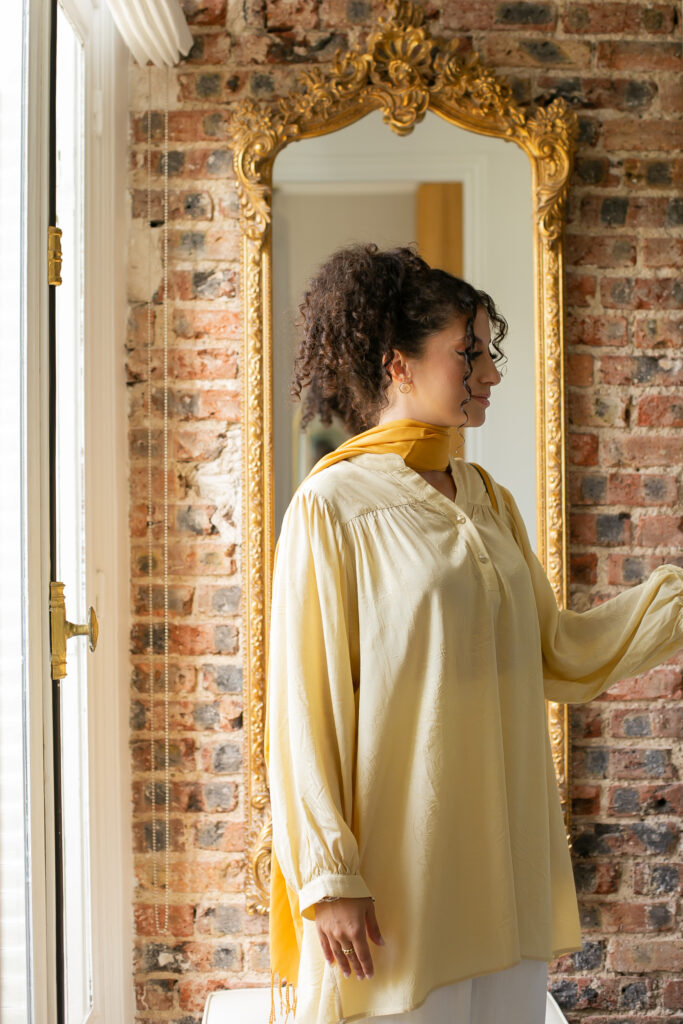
x,y
106,512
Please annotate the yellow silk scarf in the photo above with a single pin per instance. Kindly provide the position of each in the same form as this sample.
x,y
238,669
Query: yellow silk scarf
x,y
423,446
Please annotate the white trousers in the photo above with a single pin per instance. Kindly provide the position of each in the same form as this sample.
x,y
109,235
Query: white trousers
x,y
516,995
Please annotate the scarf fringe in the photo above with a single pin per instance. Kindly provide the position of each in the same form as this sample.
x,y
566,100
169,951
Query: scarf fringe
x,y
287,1003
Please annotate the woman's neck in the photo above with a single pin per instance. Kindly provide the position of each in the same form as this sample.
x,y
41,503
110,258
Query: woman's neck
x,y
442,479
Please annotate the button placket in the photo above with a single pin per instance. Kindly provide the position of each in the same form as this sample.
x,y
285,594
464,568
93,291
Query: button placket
x,y
454,511
475,545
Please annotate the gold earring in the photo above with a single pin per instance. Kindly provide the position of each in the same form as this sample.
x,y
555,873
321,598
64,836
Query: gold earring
x,y
405,386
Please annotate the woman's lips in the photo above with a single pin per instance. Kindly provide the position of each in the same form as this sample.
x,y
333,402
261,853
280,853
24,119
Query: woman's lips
x,y
480,398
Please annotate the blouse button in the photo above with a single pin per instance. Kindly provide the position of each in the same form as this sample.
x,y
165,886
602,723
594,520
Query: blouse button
x,y
483,558
460,519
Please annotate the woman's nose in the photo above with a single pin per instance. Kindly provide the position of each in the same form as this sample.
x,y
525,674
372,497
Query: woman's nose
x,y
490,372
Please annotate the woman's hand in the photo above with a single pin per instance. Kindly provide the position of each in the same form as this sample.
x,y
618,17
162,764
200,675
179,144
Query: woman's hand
x,y
342,925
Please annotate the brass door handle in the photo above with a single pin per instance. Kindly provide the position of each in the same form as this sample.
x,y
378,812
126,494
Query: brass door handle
x,y
62,630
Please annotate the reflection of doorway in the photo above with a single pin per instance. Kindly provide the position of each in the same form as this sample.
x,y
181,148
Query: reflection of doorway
x,y
439,232
439,225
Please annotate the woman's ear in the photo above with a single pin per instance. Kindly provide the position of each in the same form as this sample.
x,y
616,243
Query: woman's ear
x,y
395,364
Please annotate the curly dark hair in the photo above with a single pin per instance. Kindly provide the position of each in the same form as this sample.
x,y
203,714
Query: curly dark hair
x,y
362,304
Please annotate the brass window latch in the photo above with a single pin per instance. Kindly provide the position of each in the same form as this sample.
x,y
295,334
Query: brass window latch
x,y
54,255
61,630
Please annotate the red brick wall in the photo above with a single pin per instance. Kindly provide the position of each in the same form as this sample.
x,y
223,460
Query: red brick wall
x,y
619,63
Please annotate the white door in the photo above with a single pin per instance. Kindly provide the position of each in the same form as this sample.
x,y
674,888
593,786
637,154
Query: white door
x,y
70,557
70,960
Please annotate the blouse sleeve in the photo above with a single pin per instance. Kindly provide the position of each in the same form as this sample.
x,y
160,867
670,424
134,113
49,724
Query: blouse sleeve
x,y
311,722
585,652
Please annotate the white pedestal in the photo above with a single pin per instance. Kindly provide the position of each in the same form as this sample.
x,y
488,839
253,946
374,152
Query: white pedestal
x,y
238,1006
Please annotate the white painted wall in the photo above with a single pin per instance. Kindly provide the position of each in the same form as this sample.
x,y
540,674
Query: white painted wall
x,y
355,185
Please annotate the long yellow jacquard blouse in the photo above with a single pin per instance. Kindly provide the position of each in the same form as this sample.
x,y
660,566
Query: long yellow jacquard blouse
x,y
413,643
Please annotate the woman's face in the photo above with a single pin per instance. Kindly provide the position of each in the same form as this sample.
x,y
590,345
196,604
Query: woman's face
x,y
437,377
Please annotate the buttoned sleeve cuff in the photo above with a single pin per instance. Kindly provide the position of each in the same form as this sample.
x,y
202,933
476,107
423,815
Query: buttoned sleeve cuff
x,y
348,886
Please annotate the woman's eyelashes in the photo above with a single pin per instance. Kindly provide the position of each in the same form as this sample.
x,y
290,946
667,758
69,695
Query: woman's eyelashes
x,y
478,352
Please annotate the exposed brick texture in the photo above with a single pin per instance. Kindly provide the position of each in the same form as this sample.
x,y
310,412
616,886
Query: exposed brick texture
x,y
618,64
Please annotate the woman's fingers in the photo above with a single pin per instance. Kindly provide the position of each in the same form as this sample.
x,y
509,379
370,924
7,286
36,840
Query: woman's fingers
x,y
358,957
362,953
354,947
341,957
343,926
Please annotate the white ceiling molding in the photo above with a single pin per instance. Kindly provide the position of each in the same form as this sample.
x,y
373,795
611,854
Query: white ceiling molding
x,y
153,30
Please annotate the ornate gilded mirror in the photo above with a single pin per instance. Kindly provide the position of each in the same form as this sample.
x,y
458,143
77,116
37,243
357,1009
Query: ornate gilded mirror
x,y
404,75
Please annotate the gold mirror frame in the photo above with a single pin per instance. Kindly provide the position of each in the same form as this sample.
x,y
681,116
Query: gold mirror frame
x,y
403,71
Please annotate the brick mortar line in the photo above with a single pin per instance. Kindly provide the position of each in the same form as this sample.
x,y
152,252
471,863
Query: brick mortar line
x,y
190,224
633,550
604,114
199,264
201,659
180,902
637,704
623,549
602,431
623,273
211,384
208,857
631,742
230,346
665,389
579,190
225,104
200,305
655,155
620,433
627,351
222,424
193,383
623,232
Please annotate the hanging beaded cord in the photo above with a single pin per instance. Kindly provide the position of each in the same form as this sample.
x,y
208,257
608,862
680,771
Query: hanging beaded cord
x,y
150,514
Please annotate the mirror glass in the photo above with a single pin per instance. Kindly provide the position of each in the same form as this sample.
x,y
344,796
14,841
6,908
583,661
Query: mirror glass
x,y
466,201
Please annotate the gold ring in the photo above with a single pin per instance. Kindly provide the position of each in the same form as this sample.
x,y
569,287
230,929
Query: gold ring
x,y
347,951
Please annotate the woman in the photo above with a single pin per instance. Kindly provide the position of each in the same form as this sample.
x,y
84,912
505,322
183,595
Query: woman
x,y
421,872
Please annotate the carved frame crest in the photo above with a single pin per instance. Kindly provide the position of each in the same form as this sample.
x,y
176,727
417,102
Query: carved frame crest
x,y
403,71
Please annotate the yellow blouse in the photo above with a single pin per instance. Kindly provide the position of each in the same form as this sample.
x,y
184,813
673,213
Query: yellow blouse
x,y
413,643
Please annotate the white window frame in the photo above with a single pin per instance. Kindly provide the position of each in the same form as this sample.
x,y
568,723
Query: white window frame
x,y
106,215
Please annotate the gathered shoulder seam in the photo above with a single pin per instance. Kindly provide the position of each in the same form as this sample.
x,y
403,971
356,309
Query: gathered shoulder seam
x,y
383,508
342,522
